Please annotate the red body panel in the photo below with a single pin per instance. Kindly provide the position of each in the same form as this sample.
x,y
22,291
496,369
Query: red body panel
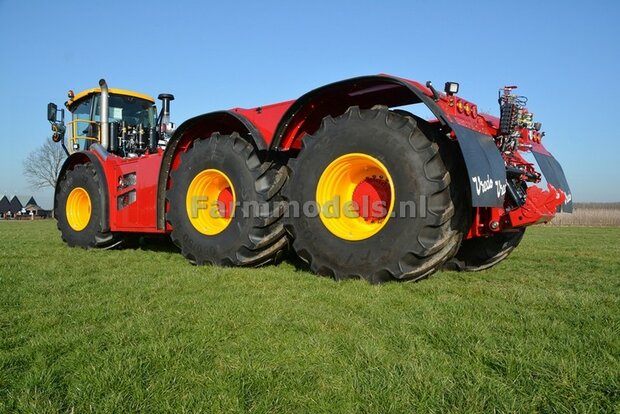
x,y
139,215
265,118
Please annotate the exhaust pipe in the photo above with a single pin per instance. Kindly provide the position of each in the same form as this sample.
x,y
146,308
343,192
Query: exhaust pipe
x,y
105,129
165,107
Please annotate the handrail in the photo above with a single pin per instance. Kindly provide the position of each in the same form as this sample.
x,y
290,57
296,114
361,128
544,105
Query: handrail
x,y
75,134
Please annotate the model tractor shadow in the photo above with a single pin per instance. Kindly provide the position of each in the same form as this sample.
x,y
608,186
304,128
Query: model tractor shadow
x,y
149,243
165,244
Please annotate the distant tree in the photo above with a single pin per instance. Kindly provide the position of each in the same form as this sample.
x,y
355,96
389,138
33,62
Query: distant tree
x,y
42,166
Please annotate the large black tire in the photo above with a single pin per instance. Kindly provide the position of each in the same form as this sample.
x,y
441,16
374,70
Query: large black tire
x,y
83,176
452,158
405,248
484,252
250,239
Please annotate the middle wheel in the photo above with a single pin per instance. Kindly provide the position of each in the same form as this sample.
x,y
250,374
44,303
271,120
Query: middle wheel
x,y
370,196
224,204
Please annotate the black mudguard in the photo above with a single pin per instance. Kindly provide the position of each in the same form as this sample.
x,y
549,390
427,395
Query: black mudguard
x,y
485,167
553,173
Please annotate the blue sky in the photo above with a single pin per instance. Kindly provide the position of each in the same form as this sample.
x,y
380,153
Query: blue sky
x,y
564,55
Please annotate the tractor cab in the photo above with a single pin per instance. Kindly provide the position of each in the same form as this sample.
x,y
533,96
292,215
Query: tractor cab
x,y
123,122
129,113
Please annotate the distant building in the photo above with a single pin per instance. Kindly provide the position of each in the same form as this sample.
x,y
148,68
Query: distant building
x,y
5,206
21,207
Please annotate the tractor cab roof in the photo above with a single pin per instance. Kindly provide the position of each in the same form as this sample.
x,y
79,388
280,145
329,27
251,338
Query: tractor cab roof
x,y
92,91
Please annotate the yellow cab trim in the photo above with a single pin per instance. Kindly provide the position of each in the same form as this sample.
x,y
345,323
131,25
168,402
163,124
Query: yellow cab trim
x,y
114,91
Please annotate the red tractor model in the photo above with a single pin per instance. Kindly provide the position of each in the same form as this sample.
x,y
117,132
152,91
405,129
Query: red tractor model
x,y
347,175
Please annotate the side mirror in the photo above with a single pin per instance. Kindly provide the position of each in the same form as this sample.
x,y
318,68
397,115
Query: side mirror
x,y
52,109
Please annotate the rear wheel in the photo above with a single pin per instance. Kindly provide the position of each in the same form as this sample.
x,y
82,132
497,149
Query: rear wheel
x,y
374,199
224,204
78,209
484,252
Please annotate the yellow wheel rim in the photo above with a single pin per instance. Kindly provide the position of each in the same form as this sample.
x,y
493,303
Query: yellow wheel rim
x,y
78,209
210,202
355,196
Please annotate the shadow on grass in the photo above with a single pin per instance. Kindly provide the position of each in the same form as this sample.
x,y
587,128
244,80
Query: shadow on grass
x,y
292,259
149,243
163,243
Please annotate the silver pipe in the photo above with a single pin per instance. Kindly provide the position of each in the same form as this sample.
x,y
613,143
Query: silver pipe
x,y
105,130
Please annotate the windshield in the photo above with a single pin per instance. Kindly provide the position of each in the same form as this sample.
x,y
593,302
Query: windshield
x,y
130,109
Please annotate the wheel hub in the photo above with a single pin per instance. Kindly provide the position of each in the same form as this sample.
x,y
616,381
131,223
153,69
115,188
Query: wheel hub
x,y
225,202
371,198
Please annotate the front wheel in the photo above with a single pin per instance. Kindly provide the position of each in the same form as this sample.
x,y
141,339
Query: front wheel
x,y
78,209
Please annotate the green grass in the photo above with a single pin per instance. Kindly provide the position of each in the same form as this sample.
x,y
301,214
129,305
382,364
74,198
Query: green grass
x,y
141,330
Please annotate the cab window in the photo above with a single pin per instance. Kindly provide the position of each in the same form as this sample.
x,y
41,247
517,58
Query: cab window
x,y
132,110
83,132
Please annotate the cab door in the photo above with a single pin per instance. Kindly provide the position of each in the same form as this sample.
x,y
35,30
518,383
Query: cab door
x,y
84,131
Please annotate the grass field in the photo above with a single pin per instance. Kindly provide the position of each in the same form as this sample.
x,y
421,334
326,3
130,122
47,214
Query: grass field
x,y
141,330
